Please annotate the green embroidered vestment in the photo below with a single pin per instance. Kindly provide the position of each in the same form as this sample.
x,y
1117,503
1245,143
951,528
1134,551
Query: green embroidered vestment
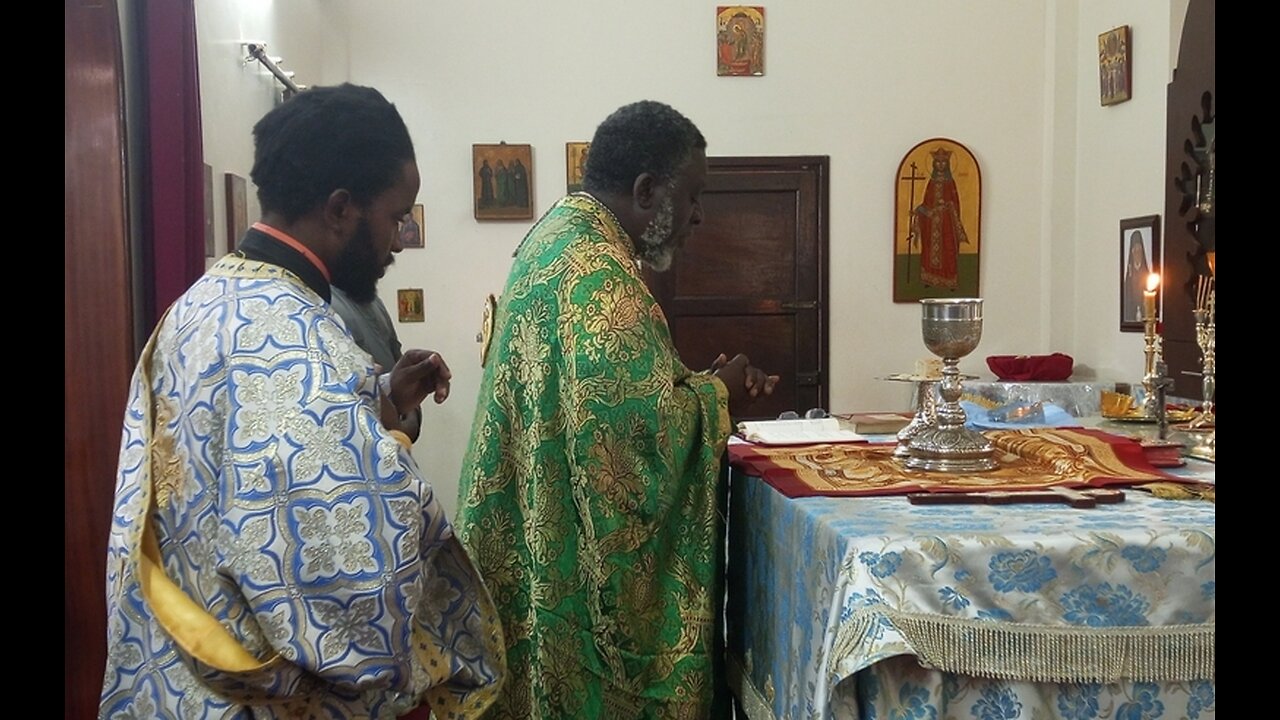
x,y
590,492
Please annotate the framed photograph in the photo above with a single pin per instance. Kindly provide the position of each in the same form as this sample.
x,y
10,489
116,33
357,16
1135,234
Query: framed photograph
x,y
575,165
1115,64
237,209
503,180
739,40
1140,259
413,228
937,223
410,305
209,234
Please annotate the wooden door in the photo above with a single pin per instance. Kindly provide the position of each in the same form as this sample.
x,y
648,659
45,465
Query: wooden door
x,y
97,335
753,277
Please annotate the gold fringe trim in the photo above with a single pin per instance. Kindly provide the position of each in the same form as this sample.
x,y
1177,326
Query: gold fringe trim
x,y
1044,653
753,703
1181,491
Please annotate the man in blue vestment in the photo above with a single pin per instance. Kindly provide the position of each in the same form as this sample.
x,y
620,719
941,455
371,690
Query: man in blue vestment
x,y
275,551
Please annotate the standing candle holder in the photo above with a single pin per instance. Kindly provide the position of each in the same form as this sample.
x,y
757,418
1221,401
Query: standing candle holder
x,y
1152,372
1151,377
1206,329
951,330
1205,424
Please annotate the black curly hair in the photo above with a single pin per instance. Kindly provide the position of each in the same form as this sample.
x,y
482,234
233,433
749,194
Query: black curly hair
x,y
643,137
324,139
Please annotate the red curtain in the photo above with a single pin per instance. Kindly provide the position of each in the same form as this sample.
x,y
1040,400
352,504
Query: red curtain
x,y
173,220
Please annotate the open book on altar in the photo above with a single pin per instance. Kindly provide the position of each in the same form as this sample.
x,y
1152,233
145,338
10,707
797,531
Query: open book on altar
x,y
797,432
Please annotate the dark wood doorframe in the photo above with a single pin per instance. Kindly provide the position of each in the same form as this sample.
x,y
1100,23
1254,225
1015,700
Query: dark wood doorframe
x,y
98,351
1188,233
758,209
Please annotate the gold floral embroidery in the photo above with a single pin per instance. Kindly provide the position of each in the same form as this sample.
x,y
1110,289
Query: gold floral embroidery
x,y
167,465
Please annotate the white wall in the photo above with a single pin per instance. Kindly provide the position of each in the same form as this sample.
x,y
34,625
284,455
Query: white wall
x,y
1120,156
310,37
859,81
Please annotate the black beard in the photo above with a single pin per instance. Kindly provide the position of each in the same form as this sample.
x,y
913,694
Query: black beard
x,y
357,269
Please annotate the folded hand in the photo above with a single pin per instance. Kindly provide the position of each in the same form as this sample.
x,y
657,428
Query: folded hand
x,y
744,381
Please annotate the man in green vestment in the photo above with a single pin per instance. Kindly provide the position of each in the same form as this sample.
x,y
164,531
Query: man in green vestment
x,y
590,494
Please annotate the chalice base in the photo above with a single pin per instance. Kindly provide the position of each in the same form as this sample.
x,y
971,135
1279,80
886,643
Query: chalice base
x,y
926,416
954,449
1203,445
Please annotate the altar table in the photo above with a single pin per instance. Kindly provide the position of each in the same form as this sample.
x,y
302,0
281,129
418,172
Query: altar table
x,y
870,607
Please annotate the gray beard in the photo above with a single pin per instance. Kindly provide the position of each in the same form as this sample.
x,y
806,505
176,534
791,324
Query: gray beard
x,y
656,246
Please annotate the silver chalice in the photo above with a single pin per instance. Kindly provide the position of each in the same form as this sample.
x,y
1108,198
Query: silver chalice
x,y
952,328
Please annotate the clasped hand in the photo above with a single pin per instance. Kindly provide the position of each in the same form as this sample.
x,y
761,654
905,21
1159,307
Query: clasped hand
x,y
744,381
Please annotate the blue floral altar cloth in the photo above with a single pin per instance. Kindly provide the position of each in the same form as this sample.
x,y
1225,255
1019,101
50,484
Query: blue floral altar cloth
x,y
873,608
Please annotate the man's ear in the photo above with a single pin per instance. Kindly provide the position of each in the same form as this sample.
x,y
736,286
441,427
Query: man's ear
x,y
642,191
340,211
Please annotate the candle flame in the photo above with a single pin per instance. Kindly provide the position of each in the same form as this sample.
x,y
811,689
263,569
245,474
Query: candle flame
x,y
1153,282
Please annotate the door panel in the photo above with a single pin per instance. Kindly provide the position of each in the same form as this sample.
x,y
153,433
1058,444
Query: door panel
x,y
759,226
753,276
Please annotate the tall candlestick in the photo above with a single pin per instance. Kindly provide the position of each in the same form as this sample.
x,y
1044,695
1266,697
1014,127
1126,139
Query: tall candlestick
x,y
1153,374
1149,297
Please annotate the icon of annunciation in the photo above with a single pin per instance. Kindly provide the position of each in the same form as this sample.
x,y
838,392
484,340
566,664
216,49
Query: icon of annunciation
x,y
739,40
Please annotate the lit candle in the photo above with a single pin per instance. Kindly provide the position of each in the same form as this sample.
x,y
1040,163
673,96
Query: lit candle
x,y
1149,297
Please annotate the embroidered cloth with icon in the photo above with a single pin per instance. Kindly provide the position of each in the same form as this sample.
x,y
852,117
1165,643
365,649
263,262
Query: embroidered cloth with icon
x,y
1030,459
